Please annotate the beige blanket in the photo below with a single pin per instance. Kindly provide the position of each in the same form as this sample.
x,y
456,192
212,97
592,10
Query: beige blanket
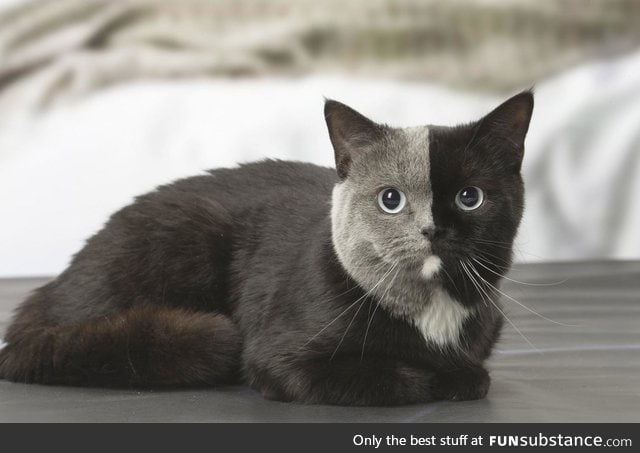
x,y
55,49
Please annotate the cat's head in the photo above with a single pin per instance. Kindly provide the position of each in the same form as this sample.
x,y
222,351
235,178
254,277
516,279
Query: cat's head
x,y
432,203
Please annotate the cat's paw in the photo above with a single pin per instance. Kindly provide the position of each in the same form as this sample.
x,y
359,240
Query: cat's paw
x,y
463,384
273,393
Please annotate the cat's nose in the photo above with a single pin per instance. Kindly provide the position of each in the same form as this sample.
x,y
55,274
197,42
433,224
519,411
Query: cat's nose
x,y
428,231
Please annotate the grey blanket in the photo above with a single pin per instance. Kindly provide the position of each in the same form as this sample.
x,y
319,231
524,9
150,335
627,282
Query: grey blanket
x,y
582,364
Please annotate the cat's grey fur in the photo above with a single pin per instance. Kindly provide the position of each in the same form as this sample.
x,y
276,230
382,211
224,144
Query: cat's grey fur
x,y
370,245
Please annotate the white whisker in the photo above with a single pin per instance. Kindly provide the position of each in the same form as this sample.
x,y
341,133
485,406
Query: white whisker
x,y
521,304
450,278
361,298
480,290
347,329
504,264
517,281
329,324
524,337
366,332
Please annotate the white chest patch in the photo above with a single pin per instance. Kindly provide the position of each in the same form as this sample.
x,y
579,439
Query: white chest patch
x,y
441,321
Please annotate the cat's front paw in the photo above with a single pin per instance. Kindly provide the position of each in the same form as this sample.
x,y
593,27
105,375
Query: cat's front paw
x,y
275,395
463,384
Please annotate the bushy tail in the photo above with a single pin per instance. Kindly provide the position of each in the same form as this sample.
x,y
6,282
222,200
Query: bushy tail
x,y
141,347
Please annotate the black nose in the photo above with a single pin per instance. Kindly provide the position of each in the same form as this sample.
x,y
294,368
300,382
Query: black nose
x,y
428,232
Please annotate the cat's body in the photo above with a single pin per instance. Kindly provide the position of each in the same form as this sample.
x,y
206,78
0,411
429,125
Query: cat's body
x,y
274,275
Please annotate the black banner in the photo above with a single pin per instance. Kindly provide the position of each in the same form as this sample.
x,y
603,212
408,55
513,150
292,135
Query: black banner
x,y
325,438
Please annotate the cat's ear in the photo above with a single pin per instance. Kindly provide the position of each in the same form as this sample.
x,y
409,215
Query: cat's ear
x,y
350,133
510,120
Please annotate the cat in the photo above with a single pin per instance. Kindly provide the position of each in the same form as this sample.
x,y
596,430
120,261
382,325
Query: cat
x,y
367,284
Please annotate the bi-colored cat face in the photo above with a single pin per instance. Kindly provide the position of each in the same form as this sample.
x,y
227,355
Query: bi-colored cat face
x,y
423,207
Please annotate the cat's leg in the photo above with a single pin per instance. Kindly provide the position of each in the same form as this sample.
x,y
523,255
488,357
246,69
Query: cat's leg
x,y
346,380
351,381
140,304
140,347
463,384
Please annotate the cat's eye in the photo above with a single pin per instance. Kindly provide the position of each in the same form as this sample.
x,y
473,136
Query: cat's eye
x,y
391,200
469,198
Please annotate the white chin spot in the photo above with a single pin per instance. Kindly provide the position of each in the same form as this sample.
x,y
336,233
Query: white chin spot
x,y
431,265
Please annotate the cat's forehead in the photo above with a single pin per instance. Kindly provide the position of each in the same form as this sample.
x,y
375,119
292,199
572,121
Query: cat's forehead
x,y
401,159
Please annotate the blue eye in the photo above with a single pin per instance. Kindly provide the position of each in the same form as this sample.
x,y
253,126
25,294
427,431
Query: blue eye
x,y
391,200
469,198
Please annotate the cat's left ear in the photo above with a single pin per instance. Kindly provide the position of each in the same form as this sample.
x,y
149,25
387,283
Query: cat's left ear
x,y
351,133
510,120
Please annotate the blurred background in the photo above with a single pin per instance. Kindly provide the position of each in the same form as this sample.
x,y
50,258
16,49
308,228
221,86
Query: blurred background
x,y
103,100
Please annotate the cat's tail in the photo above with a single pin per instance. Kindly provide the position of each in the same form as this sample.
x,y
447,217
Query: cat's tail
x,y
141,347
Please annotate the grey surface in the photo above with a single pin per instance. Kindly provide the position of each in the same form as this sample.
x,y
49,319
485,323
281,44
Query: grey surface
x,y
586,372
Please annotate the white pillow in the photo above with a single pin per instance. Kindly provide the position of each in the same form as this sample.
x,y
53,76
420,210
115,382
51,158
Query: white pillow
x,y
64,170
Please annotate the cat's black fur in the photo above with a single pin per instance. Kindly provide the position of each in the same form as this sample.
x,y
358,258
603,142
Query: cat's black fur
x,y
232,277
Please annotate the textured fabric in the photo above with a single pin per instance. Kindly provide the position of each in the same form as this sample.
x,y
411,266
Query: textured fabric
x,y
74,46
580,364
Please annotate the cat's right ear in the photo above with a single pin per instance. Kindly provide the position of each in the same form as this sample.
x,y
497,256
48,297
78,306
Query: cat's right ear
x,y
350,133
